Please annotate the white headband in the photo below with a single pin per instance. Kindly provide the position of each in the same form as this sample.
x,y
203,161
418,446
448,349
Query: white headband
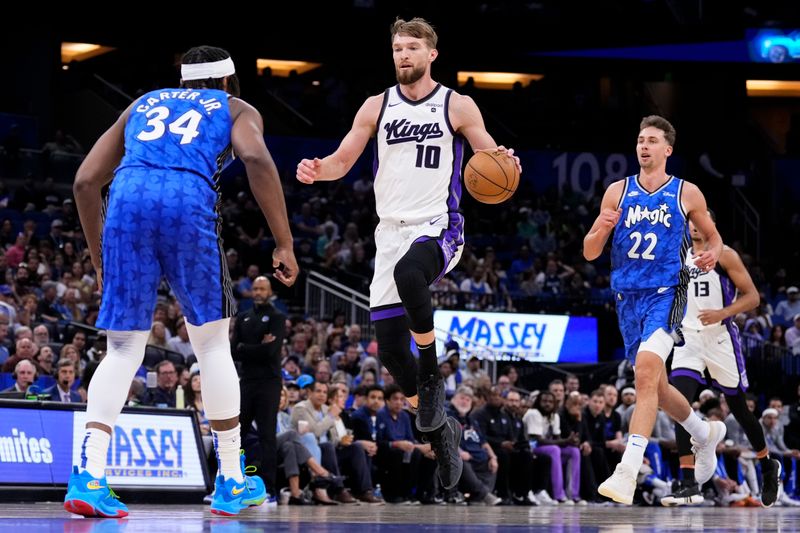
x,y
202,71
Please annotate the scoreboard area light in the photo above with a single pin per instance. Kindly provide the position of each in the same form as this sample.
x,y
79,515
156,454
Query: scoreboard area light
x,y
282,67
497,80
82,51
775,88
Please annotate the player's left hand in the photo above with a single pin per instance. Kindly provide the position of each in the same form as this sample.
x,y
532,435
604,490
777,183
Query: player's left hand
x,y
510,153
706,260
710,316
285,265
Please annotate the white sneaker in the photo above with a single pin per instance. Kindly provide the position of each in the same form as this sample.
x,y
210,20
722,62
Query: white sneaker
x,y
785,499
705,455
491,500
532,498
620,486
544,498
568,503
581,502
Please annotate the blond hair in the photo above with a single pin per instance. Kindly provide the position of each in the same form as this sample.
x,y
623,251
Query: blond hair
x,y
418,28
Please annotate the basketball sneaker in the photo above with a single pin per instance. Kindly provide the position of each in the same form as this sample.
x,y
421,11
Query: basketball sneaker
x,y
256,486
683,495
705,455
430,409
230,496
90,496
445,445
621,486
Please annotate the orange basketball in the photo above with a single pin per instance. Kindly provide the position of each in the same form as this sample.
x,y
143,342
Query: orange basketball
x,y
491,177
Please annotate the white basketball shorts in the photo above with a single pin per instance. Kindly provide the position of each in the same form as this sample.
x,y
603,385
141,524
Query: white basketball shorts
x,y
718,348
393,240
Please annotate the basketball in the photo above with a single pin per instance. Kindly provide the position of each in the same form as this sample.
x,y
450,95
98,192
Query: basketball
x,y
491,177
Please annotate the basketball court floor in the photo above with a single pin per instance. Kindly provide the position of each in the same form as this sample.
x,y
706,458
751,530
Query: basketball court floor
x,y
51,517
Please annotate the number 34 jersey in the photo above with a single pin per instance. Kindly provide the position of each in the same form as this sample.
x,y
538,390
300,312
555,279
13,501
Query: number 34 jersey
x,y
182,130
651,239
161,218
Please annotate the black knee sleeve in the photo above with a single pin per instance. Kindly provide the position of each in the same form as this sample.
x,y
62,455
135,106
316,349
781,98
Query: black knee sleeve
x,y
394,352
415,271
688,387
738,406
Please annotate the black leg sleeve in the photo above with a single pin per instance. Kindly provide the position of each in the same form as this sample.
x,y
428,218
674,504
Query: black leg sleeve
x,y
415,271
688,387
750,425
394,352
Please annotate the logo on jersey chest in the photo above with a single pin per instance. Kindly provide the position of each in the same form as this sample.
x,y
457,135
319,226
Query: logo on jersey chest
x,y
656,216
695,272
402,130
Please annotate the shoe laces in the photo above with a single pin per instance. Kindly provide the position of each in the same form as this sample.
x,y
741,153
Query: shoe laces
x,y
250,470
112,493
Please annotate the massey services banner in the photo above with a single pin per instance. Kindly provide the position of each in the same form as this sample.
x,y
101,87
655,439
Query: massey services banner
x,y
39,446
534,338
148,450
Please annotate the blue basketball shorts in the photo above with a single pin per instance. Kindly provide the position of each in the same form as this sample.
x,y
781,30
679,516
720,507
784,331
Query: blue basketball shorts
x,y
161,223
643,312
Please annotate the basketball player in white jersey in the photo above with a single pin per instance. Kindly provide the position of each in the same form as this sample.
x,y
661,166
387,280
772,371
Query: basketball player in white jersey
x,y
713,343
420,127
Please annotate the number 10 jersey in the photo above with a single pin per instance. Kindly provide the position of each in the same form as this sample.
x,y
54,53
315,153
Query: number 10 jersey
x,y
418,158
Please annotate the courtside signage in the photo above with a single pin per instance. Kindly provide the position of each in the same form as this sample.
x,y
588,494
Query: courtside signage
x,y
149,450
39,447
516,336
35,445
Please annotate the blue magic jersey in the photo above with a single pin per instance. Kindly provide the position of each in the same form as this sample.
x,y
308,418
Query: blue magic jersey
x,y
162,219
651,238
183,130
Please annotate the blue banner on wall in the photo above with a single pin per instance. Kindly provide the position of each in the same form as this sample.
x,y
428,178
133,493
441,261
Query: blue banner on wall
x,y
534,338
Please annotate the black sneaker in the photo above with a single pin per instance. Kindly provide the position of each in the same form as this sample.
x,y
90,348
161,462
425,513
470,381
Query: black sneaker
x,y
430,409
683,495
448,456
771,483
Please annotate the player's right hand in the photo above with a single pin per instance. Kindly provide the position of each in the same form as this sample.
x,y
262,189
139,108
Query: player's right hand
x,y
285,265
309,170
608,218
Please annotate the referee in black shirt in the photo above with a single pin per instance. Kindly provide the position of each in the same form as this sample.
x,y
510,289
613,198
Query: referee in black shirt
x,y
257,339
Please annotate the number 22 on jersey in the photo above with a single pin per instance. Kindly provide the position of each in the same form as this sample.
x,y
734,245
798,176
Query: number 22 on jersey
x,y
185,125
652,241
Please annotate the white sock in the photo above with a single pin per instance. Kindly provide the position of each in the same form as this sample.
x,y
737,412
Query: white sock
x,y
634,452
696,427
93,452
228,443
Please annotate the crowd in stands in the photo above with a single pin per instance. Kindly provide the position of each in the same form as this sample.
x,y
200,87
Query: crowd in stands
x,y
520,447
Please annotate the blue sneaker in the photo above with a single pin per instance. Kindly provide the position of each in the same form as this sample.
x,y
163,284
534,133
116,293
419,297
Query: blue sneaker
x,y
256,487
89,496
229,496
